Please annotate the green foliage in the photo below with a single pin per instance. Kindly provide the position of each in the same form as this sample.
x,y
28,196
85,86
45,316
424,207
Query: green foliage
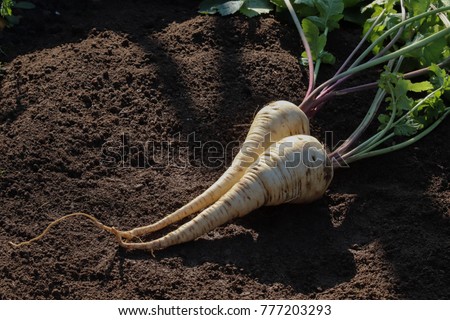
x,y
327,15
413,115
317,42
329,12
434,52
6,8
407,115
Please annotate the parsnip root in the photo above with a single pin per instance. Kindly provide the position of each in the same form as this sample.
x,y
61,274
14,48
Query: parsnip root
x,y
278,163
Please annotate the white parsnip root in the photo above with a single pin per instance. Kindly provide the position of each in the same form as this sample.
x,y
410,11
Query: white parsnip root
x,y
275,121
279,162
296,169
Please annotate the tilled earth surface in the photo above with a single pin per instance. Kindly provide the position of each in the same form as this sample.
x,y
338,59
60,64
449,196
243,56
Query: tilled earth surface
x,y
89,88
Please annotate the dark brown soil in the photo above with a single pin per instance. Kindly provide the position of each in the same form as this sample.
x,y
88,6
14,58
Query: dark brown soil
x,y
78,86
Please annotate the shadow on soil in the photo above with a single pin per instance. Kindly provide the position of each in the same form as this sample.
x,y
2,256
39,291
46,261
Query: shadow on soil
x,y
298,249
55,22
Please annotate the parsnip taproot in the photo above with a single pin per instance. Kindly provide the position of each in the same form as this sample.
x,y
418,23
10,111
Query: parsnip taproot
x,y
295,169
273,122
279,162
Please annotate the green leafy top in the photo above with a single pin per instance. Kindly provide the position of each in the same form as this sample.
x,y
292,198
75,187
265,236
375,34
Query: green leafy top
x,y
407,34
412,114
434,52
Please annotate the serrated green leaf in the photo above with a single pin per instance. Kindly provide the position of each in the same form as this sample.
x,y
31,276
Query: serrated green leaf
x,y
229,7
386,4
406,129
420,86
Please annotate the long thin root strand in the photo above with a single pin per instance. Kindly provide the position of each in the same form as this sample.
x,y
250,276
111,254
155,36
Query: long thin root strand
x,y
82,214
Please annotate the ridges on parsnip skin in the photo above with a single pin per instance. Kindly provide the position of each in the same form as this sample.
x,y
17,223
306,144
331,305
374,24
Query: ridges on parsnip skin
x,y
295,169
273,122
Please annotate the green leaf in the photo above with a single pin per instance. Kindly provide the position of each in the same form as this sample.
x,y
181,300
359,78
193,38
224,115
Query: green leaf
x,y
383,118
327,57
279,3
229,7
417,6
330,13
6,8
419,86
256,7
301,9
315,39
440,76
250,8
386,4
407,128
220,6
433,52
247,12
319,22
24,5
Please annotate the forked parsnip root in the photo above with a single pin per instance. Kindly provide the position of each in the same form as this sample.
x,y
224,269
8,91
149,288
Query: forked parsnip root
x,y
273,122
278,163
295,169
